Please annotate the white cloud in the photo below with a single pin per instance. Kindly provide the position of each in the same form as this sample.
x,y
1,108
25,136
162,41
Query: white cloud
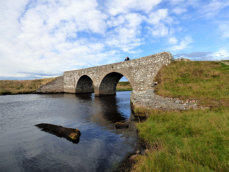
x,y
222,54
179,10
224,29
159,30
159,23
116,7
184,2
213,8
55,36
49,37
126,35
173,40
38,43
183,44
181,6
176,1
156,17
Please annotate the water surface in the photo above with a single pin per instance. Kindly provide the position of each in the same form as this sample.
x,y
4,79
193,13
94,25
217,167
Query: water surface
x,y
24,147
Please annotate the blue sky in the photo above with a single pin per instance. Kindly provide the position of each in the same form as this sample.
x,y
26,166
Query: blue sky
x,y
41,38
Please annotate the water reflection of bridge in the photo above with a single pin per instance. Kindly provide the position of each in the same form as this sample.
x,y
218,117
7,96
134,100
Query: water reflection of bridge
x,y
108,110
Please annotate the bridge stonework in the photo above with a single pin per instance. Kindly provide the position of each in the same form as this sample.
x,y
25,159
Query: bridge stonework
x,y
102,80
139,72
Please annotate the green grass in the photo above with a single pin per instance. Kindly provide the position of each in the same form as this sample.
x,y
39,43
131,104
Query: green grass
x,y
21,87
185,141
205,81
193,140
124,86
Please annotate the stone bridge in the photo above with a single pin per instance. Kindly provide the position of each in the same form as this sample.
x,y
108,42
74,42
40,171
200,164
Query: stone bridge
x,y
102,80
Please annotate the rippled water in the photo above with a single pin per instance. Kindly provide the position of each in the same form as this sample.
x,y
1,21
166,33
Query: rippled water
x,y
24,147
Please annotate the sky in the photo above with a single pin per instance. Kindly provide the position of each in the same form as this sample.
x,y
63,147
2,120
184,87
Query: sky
x,y
44,38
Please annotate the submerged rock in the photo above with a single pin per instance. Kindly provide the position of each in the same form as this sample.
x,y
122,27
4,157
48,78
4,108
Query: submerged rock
x,y
70,134
120,125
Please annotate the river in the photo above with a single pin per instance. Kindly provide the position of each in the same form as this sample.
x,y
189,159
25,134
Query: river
x,y
24,147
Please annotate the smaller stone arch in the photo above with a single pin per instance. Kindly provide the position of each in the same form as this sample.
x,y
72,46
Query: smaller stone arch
x,y
108,84
84,85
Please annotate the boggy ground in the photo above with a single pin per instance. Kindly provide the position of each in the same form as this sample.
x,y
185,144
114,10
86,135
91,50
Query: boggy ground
x,y
193,140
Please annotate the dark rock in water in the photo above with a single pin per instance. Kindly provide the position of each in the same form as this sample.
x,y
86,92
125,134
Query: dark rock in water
x,y
139,116
70,134
120,125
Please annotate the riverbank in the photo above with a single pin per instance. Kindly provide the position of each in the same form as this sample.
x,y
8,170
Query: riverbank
x,y
124,86
8,87
192,140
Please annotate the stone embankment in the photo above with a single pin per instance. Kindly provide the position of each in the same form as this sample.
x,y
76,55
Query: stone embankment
x,y
55,86
148,99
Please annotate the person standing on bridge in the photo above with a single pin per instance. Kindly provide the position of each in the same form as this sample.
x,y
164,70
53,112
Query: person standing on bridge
x,y
127,58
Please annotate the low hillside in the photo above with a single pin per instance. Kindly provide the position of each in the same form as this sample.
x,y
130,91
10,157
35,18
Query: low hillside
x,y
193,140
21,87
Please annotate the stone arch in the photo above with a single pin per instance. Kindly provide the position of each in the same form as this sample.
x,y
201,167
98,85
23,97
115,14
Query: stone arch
x,y
109,82
84,85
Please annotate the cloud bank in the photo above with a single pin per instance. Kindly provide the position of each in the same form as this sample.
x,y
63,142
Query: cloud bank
x,y
44,38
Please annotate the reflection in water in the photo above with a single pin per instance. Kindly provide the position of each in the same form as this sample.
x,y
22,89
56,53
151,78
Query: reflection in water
x,y
110,108
84,96
25,148
70,134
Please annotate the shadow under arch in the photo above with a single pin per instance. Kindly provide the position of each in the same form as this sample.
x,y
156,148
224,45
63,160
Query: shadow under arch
x,y
109,83
84,85
109,110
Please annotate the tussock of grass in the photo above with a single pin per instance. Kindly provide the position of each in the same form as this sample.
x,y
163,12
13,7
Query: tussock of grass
x,y
193,140
206,81
20,87
123,86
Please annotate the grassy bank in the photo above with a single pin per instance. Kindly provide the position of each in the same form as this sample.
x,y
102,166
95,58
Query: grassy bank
x,y
21,87
30,86
207,82
123,86
193,140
